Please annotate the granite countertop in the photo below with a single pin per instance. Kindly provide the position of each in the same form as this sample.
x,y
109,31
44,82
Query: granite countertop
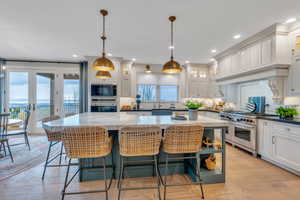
x,y
116,120
295,121
176,110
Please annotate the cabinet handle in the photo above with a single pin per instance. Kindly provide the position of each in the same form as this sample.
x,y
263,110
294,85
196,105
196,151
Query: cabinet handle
x,y
273,139
288,129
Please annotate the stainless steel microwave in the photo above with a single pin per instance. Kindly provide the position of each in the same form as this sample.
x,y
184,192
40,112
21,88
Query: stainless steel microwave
x,y
103,90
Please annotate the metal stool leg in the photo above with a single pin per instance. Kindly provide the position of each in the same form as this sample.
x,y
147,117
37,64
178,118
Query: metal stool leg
x,y
198,173
46,163
105,182
10,154
61,152
157,176
26,140
166,174
66,180
120,177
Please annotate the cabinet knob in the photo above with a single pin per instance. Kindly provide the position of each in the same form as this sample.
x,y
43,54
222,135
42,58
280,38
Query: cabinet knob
x,y
288,129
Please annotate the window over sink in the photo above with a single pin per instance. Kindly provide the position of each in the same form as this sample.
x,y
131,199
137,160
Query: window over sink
x,y
158,93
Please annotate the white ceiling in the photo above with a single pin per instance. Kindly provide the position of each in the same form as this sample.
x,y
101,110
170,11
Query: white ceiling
x,y
57,29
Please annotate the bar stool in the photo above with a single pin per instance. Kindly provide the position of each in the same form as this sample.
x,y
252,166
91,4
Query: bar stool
x,y
54,138
3,134
135,141
183,139
83,143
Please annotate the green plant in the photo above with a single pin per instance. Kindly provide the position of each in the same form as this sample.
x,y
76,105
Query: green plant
x,y
290,112
193,104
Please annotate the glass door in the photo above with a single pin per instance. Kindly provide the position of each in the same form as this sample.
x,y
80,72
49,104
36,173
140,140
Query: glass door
x,y
34,91
18,94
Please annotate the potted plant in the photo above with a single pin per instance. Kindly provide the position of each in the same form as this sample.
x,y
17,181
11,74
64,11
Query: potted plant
x,y
286,113
193,107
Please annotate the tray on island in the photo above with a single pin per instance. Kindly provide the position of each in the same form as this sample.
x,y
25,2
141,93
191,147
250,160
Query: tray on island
x,y
179,118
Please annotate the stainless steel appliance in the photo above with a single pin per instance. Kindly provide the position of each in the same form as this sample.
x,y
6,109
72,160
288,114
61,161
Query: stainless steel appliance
x,y
101,104
103,90
242,133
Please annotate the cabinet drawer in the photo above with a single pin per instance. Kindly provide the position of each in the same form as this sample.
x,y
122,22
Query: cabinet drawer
x,y
287,129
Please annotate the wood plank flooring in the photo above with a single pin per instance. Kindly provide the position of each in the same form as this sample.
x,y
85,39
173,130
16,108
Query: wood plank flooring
x,y
248,178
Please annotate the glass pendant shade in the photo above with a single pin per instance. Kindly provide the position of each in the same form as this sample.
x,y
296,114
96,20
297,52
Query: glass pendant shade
x,y
103,64
103,75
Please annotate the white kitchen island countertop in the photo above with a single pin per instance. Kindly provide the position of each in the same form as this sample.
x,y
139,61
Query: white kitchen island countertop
x,y
116,120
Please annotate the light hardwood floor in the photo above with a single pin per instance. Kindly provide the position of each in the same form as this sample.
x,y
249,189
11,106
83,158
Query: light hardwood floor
x,y
248,178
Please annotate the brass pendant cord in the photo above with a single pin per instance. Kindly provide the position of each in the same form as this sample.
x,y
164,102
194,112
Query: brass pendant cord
x,y
103,37
172,47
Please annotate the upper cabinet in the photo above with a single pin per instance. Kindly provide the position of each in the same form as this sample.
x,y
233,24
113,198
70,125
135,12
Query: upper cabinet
x,y
266,50
197,81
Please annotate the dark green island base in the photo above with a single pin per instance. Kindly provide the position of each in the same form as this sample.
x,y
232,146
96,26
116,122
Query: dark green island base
x,y
90,171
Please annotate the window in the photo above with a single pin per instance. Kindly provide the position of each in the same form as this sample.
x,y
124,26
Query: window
x,y
168,93
71,94
147,92
155,93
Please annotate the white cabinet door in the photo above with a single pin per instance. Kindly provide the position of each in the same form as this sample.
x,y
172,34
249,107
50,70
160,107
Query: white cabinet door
x,y
294,76
245,59
265,143
255,52
286,145
125,88
266,51
235,63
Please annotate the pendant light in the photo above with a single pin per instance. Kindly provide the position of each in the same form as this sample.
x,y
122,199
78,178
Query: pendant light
x,y
171,66
103,75
102,63
147,69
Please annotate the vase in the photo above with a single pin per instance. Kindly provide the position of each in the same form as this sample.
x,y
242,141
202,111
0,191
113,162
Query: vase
x,y
193,114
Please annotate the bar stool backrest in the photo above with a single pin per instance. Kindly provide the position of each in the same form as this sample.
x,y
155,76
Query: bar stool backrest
x,y
183,139
3,123
86,141
52,135
139,140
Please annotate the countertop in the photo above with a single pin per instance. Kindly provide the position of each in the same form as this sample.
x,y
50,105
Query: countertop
x,y
176,110
295,121
116,120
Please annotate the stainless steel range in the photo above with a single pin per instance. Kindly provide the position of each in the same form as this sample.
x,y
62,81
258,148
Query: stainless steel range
x,y
242,133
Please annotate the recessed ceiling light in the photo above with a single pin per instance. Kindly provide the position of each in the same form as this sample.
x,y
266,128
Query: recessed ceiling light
x,y
133,59
171,47
75,56
214,51
291,20
3,67
109,54
237,36
212,59
187,62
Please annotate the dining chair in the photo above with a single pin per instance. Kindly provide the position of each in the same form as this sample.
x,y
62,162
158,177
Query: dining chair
x,y
183,139
23,131
3,137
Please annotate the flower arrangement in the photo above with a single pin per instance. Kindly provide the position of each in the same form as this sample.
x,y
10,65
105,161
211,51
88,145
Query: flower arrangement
x,y
286,113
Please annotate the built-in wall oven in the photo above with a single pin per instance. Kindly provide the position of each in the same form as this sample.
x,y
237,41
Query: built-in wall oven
x,y
104,98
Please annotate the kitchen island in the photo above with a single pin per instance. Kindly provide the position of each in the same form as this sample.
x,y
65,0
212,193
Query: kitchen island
x,y
214,130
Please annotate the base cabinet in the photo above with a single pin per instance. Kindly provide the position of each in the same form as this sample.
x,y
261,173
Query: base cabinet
x,y
280,144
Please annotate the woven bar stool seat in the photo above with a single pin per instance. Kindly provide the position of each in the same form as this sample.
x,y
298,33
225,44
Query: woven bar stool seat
x,y
183,139
54,138
135,141
86,142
